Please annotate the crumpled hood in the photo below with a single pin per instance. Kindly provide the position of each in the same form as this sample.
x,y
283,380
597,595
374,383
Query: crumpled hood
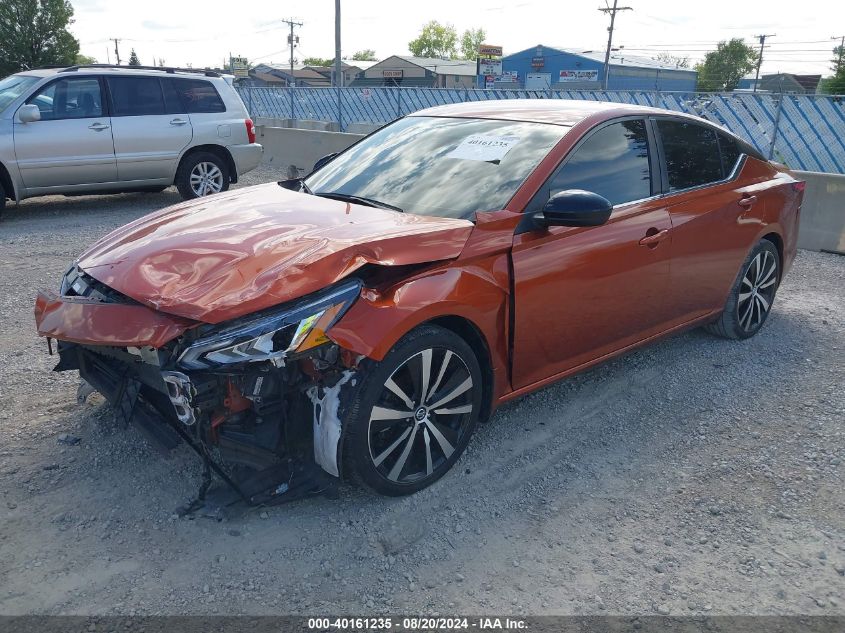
x,y
228,255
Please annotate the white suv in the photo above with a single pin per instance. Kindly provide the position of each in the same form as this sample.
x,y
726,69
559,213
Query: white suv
x,y
108,129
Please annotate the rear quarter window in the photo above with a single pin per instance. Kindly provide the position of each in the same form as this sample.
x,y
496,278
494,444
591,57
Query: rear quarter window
x,y
691,152
198,96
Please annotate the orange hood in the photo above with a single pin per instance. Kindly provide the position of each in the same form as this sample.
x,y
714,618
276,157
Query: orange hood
x,y
228,255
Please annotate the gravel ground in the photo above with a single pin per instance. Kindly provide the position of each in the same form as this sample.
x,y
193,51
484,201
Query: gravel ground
x,y
695,476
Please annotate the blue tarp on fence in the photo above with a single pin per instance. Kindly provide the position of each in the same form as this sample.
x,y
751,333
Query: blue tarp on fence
x,y
803,131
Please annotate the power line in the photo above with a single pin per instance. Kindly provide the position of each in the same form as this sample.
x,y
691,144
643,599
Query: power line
x,y
762,40
612,11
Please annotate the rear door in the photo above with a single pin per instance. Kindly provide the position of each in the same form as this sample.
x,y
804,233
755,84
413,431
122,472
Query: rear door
x,y
712,211
72,143
207,112
583,293
150,128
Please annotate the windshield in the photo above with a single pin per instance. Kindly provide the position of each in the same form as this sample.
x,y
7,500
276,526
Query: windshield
x,y
440,166
13,87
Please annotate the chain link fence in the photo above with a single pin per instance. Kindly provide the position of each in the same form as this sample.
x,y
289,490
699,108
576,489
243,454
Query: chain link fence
x,y
803,131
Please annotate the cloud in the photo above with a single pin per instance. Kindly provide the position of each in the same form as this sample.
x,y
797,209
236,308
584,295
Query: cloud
x,y
160,26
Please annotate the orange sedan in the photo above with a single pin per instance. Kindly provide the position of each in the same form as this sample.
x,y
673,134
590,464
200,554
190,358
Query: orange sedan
x,y
362,320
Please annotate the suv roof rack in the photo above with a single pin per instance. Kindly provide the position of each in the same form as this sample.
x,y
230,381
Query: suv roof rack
x,y
166,69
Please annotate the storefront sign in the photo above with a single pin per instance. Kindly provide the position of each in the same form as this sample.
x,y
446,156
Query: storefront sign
x,y
488,50
578,75
392,74
538,62
490,67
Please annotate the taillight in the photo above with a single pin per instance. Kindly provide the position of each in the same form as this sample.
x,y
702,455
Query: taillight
x,y
250,130
799,186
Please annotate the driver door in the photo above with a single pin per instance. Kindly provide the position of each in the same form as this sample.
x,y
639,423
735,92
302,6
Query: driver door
x,y
583,293
72,143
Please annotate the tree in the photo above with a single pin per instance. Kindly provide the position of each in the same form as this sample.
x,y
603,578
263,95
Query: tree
x,y
838,61
366,55
723,68
82,60
668,59
317,61
435,40
133,58
470,41
34,33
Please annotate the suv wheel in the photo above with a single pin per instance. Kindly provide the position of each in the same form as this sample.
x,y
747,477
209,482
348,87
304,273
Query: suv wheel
x,y
2,200
202,174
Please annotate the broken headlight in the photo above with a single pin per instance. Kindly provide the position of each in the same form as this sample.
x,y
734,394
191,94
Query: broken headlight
x,y
274,334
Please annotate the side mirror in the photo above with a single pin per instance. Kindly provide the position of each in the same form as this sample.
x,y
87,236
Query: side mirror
x,y
322,161
574,207
29,113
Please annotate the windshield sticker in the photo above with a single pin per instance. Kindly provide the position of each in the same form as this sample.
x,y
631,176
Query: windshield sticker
x,y
483,147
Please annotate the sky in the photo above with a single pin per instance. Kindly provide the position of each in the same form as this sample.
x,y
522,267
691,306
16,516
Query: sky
x,y
204,33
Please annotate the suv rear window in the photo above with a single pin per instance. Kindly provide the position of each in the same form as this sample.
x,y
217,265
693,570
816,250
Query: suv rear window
x,y
136,96
198,96
692,154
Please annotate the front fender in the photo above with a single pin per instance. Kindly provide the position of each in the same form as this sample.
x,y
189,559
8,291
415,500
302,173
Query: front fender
x,y
476,292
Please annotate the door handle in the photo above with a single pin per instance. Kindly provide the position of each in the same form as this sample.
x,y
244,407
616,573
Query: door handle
x,y
747,201
655,238
178,122
98,127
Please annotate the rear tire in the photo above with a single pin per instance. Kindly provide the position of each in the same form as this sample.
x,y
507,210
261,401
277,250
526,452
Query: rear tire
x,y
752,295
2,200
202,174
413,413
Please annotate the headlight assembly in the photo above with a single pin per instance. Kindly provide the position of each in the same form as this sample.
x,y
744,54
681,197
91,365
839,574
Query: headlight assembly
x,y
272,335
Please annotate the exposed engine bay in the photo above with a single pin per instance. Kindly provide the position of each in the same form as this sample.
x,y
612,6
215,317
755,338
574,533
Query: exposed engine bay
x,y
259,399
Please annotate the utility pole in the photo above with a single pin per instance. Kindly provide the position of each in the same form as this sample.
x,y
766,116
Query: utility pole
x,y
840,57
338,64
293,40
762,40
116,51
612,11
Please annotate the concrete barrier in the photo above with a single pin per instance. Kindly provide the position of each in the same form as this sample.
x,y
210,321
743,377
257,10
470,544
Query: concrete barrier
x,y
822,212
295,151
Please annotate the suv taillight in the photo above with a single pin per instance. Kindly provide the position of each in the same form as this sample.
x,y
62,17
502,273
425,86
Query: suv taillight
x,y
250,130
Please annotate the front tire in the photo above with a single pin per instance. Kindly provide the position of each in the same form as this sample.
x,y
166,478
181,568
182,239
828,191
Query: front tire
x,y
752,294
414,412
202,174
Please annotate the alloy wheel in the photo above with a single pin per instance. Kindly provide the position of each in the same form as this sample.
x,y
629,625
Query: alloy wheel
x,y
757,291
206,178
420,416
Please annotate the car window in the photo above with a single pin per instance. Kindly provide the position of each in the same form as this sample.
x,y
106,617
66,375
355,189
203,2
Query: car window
x,y
613,162
72,98
440,166
136,96
731,154
14,86
691,152
198,96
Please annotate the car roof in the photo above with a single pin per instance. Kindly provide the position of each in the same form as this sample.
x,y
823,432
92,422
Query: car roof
x,y
566,112
116,70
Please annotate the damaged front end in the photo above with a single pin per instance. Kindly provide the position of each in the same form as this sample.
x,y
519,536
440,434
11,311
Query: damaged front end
x,y
258,398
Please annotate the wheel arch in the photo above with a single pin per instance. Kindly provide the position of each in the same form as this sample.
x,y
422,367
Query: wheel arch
x,y
776,239
8,185
218,150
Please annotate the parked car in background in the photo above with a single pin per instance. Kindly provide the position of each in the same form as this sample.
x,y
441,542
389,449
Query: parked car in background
x,y
109,129
362,320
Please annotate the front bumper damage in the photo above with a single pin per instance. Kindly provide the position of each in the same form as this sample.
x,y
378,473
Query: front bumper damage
x,y
270,431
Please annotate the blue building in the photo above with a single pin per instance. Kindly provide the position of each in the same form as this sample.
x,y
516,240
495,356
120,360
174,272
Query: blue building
x,y
544,67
